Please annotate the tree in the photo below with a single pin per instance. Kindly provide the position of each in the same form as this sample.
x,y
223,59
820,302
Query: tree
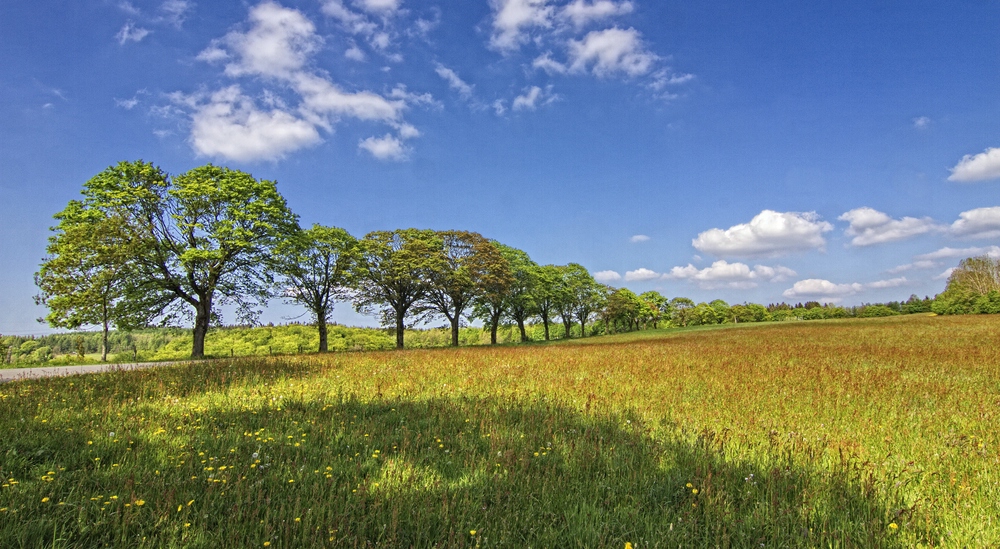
x,y
682,308
524,273
315,265
624,308
393,274
586,295
545,294
204,238
84,279
470,264
564,303
980,275
503,289
658,307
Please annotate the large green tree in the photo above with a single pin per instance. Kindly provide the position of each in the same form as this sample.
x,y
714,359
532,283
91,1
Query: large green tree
x,y
393,273
204,238
470,266
545,293
519,302
315,266
498,289
84,279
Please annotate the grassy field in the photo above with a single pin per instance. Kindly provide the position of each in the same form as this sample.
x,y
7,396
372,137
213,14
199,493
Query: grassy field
x,y
857,433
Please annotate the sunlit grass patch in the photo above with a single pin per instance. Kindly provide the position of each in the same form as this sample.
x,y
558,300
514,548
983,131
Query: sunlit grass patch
x,y
818,434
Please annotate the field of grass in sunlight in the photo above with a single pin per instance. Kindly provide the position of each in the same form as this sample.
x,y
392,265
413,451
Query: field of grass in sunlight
x,y
855,433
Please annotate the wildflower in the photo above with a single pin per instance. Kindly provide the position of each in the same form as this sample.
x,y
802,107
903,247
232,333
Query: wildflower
x,y
45,500
628,545
298,519
689,485
267,544
187,524
472,532
893,526
140,503
190,502
694,491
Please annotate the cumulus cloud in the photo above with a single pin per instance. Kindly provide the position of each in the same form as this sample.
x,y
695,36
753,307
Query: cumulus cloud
x,y
607,277
131,33
768,234
724,274
641,275
387,147
611,51
954,253
277,47
565,42
819,288
920,264
945,274
512,19
174,12
983,166
374,23
580,12
453,80
638,238
869,226
533,97
230,125
891,283
978,223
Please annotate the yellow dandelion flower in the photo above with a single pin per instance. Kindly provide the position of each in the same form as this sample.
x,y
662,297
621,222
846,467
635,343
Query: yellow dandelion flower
x,y
140,503
893,526
689,485
628,545
45,500
694,491
267,544
472,532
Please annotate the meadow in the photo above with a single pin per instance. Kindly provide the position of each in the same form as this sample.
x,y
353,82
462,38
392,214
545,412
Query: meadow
x,y
841,433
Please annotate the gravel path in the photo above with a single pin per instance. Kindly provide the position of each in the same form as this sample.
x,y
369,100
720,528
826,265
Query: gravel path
x,y
12,374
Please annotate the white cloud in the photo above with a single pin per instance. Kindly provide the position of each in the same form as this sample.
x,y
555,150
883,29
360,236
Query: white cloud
x,y
354,53
611,51
387,147
638,238
381,7
978,223
985,165
131,33
735,275
513,18
607,277
230,125
891,283
453,80
945,274
869,226
768,234
582,12
818,288
640,275
499,107
921,122
953,253
127,104
549,65
920,264
534,97
277,48
174,12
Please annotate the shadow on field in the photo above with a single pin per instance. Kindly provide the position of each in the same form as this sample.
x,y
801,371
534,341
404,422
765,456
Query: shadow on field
x,y
427,473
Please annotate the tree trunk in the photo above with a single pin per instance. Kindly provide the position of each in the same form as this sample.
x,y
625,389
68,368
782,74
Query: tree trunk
x,y
399,329
545,322
520,326
104,343
568,326
322,333
454,330
494,324
203,313
583,330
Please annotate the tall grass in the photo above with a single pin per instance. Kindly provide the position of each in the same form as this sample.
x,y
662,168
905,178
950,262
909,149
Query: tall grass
x,y
860,433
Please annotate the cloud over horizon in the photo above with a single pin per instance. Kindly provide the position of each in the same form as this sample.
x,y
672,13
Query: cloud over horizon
x,y
768,234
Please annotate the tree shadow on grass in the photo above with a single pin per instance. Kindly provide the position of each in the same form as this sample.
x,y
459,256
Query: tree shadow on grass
x,y
461,472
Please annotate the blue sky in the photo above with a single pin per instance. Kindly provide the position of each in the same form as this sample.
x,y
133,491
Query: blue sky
x,y
749,151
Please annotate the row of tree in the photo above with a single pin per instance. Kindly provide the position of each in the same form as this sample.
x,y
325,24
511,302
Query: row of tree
x,y
143,247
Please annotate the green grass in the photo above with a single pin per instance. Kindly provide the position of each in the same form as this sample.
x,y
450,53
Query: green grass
x,y
861,433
